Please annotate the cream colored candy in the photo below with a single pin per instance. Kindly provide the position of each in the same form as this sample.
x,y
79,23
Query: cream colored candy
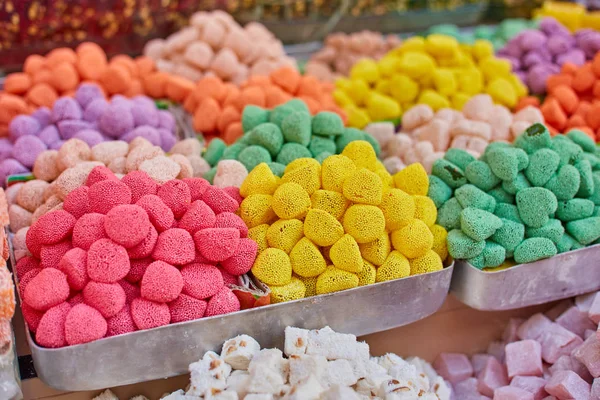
x,y
72,152
449,115
477,145
160,168
417,116
230,173
199,54
478,107
518,127
383,132
393,164
430,159
105,152
225,64
199,165
46,166
11,193
140,154
117,165
529,114
31,194
19,217
187,147
400,144
69,180
186,167
155,49
187,72
472,128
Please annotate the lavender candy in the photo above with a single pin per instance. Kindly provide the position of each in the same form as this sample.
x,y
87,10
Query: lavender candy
x,y
69,128
513,48
88,92
90,136
147,132
56,145
23,125
95,109
532,40
532,58
66,108
43,115
10,166
5,148
575,56
49,135
166,120
27,148
551,26
537,76
559,44
121,101
144,100
514,62
167,139
145,114
116,121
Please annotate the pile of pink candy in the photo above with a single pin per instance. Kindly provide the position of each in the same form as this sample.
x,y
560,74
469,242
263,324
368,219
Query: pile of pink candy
x,y
537,359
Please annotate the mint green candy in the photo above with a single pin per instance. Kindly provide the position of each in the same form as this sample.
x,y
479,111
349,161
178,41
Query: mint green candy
x,y
501,195
449,214
593,159
461,246
586,230
519,183
574,209
596,212
508,211
459,157
210,174
478,224
452,175
480,174
494,146
280,113
253,116
320,144
232,152
322,156
534,138
298,105
327,123
267,135
493,254
214,151
565,183
291,151
276,168
253,155
438,191
568,151
582,140
504,163
509,235
471,196
586,186
553,230
595,197
535,206
567,243
348,135
296,128
542,165
522,158
534,249
478,262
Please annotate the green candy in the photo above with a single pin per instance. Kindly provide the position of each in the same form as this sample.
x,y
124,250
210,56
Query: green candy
x,y
478,224
320,144
596,212
534,249
296,128
504,163
291,151
542,165
471,196
583,140
322,156
459,157
522,158
568,151
574,209
449,214
210,174
449,173
517,184
253,155
438,191
481,175
327,123
232,152
493,254
553,230
478,262
461,247
566,243
501,195
535,205
565,183
508,211
253,116
349,135
534,138
586,230
595,197
267,135
214,151
374,143
594,161
586,186
298,105
276,168
280,113
509,235
494,146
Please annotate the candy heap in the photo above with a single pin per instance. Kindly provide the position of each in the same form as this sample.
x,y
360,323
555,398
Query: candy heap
x,y
341,51
529,201
215,44
129,254
88,117
347,223
572,14
217,107
537,54
436,71
279,136
425,136
321,364
537,358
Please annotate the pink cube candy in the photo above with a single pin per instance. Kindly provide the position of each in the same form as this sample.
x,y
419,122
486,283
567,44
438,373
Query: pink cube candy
x,y
578,321
524,358
453,367
569,363
589,355
492,376
588,333
467,390
594,312
532,384
558,309
512,393
558,341
478,361
496,349
568,385
585,301
595,389
510,332
534,327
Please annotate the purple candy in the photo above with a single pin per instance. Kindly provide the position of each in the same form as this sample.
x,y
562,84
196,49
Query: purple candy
x,y
66,108
69,128
167,139
558,44
43,115
147,132
145,100
532,58
49,135
166,120
513,49
27,148
90,136
537,76
57,145
121,101
116,121
87,92
522,76
5,148
515,62
144,114
94,110
575,56
22,125
550,26
10,166
532,40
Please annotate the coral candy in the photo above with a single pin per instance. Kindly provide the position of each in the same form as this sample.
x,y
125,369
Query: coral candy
x,y
231,220
159,213
107,298
201,281
145,247
176,195
161,282
223,302
24,265
219,200
186,308
88,229
107,262
121,323
217,244
76,203
47,289
84,324
98,174
73,265
241,262
148,314
105,195
198,216
127,224
50,331
174,246
140,184
54,227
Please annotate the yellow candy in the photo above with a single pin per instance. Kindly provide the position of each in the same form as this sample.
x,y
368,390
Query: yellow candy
x,y
358,91
404,89
345,254
518,85
458,100
334,280
302,162
341,98
362,154
444,81
310,284
364,187
441,45
470,81
376,251
357,117
365,69
433,99
307,261
290,200
257,209
259,235
364,223
502,92
439,241
322,228
493,67
398,208
383,86
367,274
414,240
413,180
396,266
273,267
329,201
335,170
482,49
294,290
284,234
414,43
381,107
307,176
429,262
416,64
425,210
388,65
259,181
343,84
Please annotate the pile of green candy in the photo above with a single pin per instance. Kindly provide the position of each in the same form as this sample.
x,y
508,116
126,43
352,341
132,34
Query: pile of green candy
x,y
281,135
527,201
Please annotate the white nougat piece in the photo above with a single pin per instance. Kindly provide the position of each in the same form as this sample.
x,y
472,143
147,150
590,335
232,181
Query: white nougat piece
x,y
325,342
303,366
221,395
370,385
209,373
441,389
238,382
179,395
296,340
389,360
264,380
106,395
259,396
423,367
238,352
271,359
308,389
362,369
337,392
339,372
394,389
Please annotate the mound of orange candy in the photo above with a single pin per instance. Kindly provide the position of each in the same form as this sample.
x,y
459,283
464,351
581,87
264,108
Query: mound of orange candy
x,y
217,106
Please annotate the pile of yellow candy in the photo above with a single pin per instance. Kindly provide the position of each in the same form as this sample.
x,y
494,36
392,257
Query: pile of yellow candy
x,y
572,15
437,71
346,223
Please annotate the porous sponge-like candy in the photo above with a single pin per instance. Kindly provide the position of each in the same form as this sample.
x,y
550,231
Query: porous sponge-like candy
x,y
574,209
257,210
290,200
253,116
307,174
345,254
284,234
332,202
449,214
425,210
367,275
517,184
565,183
259,181
534,249
364,223
535,206
267,135
253,155
478,224
542,165
509,235
503,162
449,173
395,266
413,180
362,154
534,138
459,157
586,230
363,187
335,170
471,196
322,228
292,151
480,174
294,290
273,267
567,243
307,260
428,262
413,240
327,123
296,128
438,191
439,241
586,186
377,251
334,280
552,230
508,211
461,246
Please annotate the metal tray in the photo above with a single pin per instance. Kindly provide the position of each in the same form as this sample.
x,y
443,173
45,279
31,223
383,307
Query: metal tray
x,y
168,350
562,276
